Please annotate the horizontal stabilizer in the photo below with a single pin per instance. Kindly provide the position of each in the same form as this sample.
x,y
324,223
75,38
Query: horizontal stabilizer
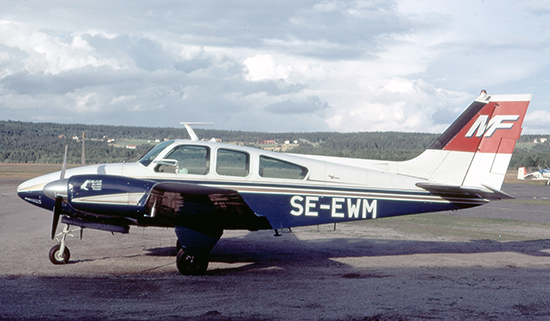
x,y
453,190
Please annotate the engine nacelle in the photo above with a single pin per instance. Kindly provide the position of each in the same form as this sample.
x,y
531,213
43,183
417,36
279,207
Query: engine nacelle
x,y
108,194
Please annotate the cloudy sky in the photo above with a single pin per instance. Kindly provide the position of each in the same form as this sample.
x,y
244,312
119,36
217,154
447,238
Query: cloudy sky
x,y
401,65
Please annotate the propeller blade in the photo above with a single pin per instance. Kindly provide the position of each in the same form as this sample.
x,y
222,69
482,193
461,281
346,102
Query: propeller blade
x,y
64,167
56,214
83,157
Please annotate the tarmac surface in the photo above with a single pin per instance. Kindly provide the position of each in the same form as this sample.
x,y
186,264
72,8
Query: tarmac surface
x,y
486,263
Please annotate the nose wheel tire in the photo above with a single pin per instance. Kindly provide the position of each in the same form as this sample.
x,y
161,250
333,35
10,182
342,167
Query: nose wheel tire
x,y
191,264
56,257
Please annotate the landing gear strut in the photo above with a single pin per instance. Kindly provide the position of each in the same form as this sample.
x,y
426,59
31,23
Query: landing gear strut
x,y
59,253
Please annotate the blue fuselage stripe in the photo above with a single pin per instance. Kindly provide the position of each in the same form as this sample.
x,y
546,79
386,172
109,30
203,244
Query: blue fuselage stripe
x,y
300,205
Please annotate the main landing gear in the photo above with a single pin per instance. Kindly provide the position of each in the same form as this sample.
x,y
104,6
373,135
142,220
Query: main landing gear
x,y
59,253
192,258
189,264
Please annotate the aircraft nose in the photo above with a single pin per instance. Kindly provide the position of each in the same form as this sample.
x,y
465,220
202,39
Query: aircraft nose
x,y
56,188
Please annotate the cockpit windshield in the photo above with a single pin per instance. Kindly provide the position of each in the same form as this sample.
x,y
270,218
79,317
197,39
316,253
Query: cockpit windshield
x,y
149,157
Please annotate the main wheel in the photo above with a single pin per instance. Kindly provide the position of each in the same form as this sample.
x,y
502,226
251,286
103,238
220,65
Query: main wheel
x,y
191,264
59,258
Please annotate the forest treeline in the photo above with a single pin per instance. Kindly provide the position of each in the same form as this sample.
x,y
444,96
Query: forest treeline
x,y
25,142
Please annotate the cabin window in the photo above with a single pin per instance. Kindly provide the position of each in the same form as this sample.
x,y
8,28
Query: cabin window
x,y
276,168
232,163
153,153
186,159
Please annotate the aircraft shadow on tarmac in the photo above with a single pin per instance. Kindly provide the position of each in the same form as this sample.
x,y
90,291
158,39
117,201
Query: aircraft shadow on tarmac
x,y
290,252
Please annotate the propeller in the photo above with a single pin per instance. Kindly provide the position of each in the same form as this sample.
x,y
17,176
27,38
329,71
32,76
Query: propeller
x,y
64,166
58,199
56,214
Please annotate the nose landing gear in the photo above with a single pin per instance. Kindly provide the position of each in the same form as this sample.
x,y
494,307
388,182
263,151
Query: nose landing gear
x,y
59,257
59,253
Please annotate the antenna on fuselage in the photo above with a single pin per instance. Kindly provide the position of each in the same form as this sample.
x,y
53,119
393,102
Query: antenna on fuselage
x,y
190,130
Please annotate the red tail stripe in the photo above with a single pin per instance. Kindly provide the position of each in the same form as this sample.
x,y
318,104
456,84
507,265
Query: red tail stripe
x,y
495,128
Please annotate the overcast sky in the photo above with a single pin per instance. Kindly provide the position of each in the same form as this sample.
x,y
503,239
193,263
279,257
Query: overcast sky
x,y
403,65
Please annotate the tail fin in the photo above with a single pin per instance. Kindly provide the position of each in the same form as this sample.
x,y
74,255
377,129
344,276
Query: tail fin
x,y
476,149
521,173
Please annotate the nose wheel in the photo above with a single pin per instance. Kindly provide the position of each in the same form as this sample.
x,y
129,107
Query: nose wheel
x,y
59,253
58,256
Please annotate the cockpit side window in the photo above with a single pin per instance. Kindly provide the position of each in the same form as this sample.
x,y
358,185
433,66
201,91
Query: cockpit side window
x,y
276,168
153,153
232,163
186,159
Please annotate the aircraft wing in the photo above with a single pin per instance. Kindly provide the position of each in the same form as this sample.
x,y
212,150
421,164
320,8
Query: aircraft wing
x,y
536,176
454,190
203,207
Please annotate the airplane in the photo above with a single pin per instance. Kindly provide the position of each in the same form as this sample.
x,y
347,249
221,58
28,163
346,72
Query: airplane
x,y
543,174
203,188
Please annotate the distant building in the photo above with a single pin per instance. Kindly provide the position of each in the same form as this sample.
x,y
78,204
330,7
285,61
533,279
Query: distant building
x,y
541,140
131,146
61,137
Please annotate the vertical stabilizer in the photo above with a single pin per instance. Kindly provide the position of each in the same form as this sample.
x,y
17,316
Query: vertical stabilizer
x,y
476,149
497,127
521,173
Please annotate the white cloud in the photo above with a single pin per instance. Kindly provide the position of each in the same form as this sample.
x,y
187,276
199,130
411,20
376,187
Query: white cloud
x,y
40,52
397,105
334,65
537,121
265,67
123,100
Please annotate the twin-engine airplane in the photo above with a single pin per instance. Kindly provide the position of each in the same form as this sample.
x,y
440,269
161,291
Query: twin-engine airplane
x,y
203,188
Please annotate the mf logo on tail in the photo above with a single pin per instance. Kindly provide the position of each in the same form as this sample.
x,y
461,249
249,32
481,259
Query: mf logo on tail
x,y
488,129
